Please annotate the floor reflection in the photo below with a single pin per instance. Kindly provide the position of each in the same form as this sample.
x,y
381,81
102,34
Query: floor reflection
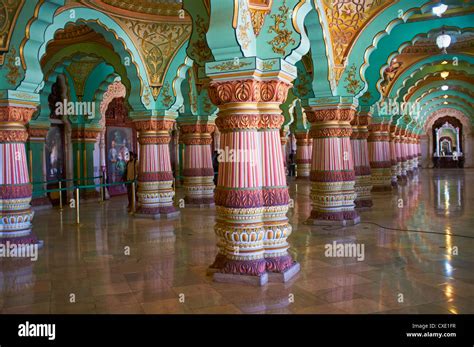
x,y
112,263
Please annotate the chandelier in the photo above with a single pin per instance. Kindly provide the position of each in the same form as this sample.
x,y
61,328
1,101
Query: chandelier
x,y
443,41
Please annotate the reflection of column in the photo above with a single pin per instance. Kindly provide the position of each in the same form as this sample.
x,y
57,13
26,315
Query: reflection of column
x,y
458,147
155,178
360,152
303,154
332,169
15,187
437,142
198,171
251,195
394,169
379,156
36,160
409,151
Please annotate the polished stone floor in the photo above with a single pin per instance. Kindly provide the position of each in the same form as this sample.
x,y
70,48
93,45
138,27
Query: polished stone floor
x,y
112,263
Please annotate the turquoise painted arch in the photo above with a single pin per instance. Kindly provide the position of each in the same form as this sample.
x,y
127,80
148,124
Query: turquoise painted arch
x,y
430,88
406,75
389,45
46,26
435,104
454,106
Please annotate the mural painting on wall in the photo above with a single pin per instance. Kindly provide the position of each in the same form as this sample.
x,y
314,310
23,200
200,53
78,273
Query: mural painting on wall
x,y
119,145
54,149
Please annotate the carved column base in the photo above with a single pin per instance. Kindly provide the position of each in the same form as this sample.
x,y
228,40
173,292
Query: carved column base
x,y
199,191
362,187
303,170
381,179
155,200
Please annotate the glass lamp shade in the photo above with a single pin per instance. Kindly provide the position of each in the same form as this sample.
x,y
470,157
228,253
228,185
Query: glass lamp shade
x,y
443,41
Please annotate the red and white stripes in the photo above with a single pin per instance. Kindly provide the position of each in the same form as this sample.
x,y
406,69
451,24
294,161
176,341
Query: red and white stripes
x,y
13,153
155,158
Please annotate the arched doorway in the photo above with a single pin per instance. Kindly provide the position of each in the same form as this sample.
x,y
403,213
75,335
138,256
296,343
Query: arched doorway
x,y
447,145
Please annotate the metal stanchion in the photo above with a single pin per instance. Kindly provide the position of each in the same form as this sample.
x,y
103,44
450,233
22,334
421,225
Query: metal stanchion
x,y
60,196
77,207
133,197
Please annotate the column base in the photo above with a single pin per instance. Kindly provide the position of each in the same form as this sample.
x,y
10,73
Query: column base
x,y
285,276
158,213
258,281
363,203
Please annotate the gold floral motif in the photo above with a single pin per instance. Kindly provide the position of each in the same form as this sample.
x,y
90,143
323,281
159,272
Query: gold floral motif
x,y
9,10
80,71
244,25
167,98
258,19
207,105
268,65
200,51
229,65
283,36
353,84
158,43
13,69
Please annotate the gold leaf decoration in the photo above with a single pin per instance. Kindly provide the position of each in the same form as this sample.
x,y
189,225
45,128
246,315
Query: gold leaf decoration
x,y
166,97
13,69
283,36
353,84
158,42
229,65
244,26
9,10
200,50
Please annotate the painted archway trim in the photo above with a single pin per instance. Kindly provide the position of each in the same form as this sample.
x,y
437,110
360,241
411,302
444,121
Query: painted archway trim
x,y
457,84
443,112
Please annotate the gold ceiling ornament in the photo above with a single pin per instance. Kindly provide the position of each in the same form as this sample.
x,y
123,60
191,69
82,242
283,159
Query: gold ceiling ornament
x,y
353,84
13,68
346,20
150,10
230,65
9,11
258,11
283,36
80,71
199,49
158,43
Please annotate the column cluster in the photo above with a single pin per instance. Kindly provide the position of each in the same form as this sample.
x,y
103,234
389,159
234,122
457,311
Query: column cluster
x,y
304,148
363,184
379,156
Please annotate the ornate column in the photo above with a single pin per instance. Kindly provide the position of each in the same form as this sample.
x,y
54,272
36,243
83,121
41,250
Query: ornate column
x,y
284,142
360,152
395,168
155,178
15,188
404,152
198,171
251,195
304,146
379,156
332,167
409,151
36,163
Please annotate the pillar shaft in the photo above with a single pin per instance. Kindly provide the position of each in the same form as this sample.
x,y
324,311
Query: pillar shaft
x,y
360,152
394,156
36,164
379,156
332,167
251,195
304,148
15,187
155,178
198,171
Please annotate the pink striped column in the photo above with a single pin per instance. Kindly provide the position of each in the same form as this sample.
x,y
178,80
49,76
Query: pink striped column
x,y
198,171
379,156
360,152
251,196
404,155
332,167
304,148
155,178
15,188
279,263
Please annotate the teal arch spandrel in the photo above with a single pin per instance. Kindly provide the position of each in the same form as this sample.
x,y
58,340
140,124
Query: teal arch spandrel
x,y
170,97
402,80
381,26
321,53
300,123
221,36
390,44
287,107
45,26
431,89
